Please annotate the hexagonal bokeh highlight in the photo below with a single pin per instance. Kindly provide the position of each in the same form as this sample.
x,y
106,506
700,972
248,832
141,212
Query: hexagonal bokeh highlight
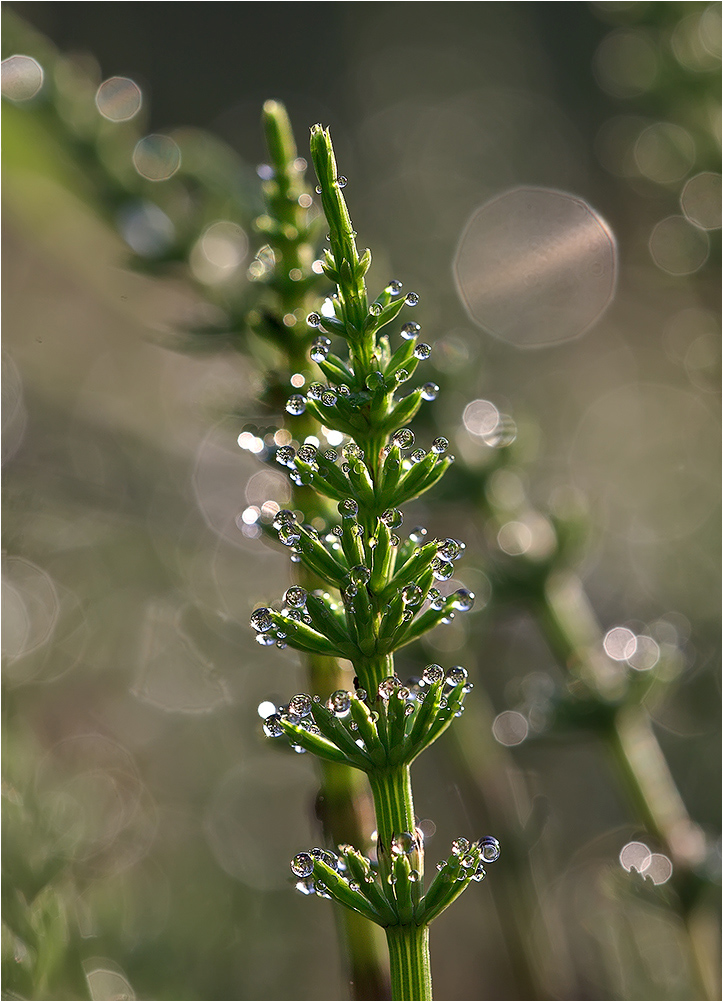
x,y
536,267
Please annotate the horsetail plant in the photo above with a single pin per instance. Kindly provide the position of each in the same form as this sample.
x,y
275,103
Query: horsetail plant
x,y
379,593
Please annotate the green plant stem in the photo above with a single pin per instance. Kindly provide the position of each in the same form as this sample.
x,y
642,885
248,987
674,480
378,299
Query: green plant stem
x,y
409,961
408,943
393,804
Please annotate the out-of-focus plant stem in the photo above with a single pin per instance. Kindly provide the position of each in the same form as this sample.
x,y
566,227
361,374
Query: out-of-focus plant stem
x,y
571,629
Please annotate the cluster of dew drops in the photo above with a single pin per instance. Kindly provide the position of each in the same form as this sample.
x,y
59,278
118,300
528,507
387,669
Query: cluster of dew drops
x,y
471,862
327,395
299,708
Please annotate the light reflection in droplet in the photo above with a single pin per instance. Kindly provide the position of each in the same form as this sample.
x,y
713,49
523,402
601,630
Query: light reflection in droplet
x,y
480,418
510,728
157,157
696,40
107,984
225,244
701,200
646,654
620,643
21,77
536,266
664,152
626,63
678,247
514,538
118,99
634,855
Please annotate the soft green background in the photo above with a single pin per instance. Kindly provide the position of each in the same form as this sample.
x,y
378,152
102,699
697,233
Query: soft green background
x,y
132,679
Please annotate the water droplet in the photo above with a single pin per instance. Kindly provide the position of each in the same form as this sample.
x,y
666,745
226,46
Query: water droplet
x,y
392,518
295,596
375,309
402,844
456,675
395,287
302,865
410,331
490,848
342,181
348,508
339,702
440,445
430,391
418,455
412,595
352,451
417,534
436,599
374,380
272,726
469,861
460,846
328,398
261,620
432,673
300,705
403,439
265,639
285,455
441,864
388,686
318,352
289,535
283,517
296,405
343,390
463,600
331,455
442,569
318,189
411,299
449,549
479,874
423,351
315,390
307,454
360,575
401,375
361,694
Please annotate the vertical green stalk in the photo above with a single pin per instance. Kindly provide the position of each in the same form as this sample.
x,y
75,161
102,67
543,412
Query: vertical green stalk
x,y
376,596
409,962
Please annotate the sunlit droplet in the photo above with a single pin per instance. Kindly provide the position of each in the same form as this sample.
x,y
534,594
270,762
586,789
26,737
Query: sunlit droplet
x,y
510,728
646,654
118,99
620,643
536,266
701,200
480,418
678,247
157,157
634,855
21,77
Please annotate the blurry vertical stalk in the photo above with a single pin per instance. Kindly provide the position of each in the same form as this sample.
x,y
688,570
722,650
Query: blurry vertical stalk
x,y
601,698
573,634
343,806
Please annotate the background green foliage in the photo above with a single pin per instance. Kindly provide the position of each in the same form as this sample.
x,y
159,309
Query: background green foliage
x,y
148,827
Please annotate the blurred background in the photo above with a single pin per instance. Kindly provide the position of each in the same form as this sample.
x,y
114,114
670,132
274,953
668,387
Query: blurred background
x,y
143,805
